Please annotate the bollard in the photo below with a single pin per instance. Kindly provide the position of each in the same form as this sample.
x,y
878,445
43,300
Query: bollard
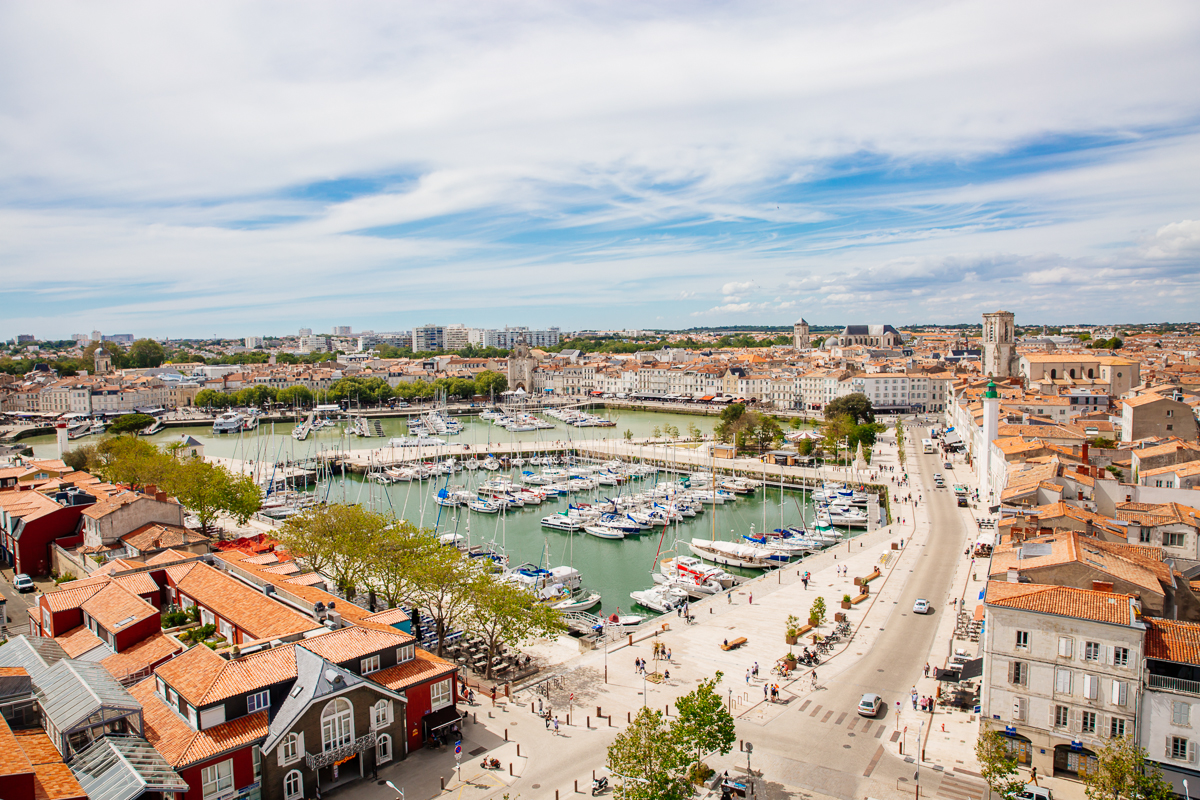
x,y
443,784
576,786
476,715
741,747
510,772
610,720
506,734
531,711
568,719
518,749
588,722
631,640
628,718
668,712
598,714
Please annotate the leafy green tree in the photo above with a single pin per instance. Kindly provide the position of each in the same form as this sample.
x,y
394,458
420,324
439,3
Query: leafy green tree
x,y
649,761
805,447
836,429
440,582
145,353
655,432
704,724
816,614
130,460
130,423
313,536
857,406
865,434
82,458
207,489
489,383
998,763
501,612
628,435
1121,774
693,431
295,396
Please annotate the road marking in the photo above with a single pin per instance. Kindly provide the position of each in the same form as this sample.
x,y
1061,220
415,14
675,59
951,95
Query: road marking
x,y
841,718
815,711
853,723
874,760
825,718
807,703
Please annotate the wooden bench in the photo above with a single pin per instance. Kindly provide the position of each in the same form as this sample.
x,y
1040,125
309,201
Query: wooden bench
x,y
738,642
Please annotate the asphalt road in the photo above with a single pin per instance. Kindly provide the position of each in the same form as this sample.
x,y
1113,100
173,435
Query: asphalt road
x,y
18,604
820,749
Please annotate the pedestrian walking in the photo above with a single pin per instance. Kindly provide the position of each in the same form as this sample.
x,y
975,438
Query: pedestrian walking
x,y
926,669
766,692
729,598
756,669
747,677
556,726
814,679
805,582
1033,776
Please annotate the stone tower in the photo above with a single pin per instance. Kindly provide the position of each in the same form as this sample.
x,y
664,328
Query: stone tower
x,y
999,345
520,366
103,361
800,335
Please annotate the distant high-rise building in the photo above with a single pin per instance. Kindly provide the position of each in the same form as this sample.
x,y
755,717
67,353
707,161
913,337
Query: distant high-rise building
x,y
253,342
79,337
96,337
507,338
24,338
456,337
426,338
306,331
314,344
342,330
120,338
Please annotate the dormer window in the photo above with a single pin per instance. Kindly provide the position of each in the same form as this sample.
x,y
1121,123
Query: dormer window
x,y
405,653
258,701
369,665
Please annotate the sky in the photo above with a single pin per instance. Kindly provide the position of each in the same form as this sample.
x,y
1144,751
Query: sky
x,y
249,168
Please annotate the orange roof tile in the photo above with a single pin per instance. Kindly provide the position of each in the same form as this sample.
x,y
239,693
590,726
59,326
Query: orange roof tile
x,y
192,673
168,557
38,747
13,760
354,642
251,611
116,608
425,667
182,746
1063,601
251,672
1172,640
156,536
78,641
146,653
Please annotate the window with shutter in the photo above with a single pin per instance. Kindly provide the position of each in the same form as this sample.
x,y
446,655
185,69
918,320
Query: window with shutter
x,y
1118,693
1090,686
1065,646
1062,681
1181,714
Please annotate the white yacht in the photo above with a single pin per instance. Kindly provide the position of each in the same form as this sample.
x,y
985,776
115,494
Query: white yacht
x,y
229,422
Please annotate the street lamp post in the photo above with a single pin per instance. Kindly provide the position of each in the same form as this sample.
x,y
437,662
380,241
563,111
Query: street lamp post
x,y
394,789
1186,793
917,783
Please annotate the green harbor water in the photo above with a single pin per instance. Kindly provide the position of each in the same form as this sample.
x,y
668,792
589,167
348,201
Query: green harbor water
x,y
612,567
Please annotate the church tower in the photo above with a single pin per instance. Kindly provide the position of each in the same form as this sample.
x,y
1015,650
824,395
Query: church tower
x,y
103,361
800,335
999,345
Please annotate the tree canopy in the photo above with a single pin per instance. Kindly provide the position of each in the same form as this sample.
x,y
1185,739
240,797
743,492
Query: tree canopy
x,y
130,423
145,353
857,406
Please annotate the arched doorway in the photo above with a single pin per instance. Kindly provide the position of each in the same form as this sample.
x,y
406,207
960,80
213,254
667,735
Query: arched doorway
x,y
1053,374
1091,373
1072,761
1072,374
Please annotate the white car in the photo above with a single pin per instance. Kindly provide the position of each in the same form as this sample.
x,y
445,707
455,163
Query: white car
x,y
921,607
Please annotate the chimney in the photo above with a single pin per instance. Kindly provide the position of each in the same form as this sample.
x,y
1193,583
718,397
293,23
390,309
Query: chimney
x,y
160,497
1085,452
1014,576
151,489
1102,586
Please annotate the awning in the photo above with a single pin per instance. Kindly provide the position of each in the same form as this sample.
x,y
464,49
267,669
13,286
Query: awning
x,y
707,397
952,437
441,718
978,613
971,669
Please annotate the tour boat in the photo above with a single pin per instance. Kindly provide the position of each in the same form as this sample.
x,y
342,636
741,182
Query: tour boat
x,y
732,554
660,598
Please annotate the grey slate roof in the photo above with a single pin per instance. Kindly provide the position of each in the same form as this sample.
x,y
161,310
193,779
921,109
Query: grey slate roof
x,y
122,768
73,691
315,678
35,653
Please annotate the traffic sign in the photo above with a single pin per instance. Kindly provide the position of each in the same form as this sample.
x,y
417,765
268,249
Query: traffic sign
x,y
458,749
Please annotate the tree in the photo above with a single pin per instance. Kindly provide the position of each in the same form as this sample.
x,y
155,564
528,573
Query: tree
x,y
857,406
313,536
502,612
130,423
208,489
1120,774
704,724
649,761
128,459
816,614
693,431
655,432
440,582
82,458
628,435
491,383
145,353
295,396
998,763
836,430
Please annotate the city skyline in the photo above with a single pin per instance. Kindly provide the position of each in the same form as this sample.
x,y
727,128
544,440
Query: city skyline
x,y
595,167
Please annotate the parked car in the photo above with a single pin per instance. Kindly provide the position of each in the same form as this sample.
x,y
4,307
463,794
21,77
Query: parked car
x,y
869,705
921,607
949,465
1031,792
23,583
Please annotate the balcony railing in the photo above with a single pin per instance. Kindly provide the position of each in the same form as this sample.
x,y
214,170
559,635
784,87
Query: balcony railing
x,y
319,760
1173,684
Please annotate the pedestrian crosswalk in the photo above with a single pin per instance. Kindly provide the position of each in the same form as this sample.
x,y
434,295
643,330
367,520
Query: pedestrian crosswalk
x,y
955,786
869,726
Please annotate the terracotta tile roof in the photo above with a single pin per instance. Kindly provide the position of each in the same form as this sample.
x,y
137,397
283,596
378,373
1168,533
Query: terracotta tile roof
x,y
1172,640
192,673
1063,601
346,644
116,608
156,536
13,760
78,641
168,557
104,507
251,611
27,505
13,672
38,747
182,746
146,653
389,617
307,579
252,672
286,568
425,667
56,782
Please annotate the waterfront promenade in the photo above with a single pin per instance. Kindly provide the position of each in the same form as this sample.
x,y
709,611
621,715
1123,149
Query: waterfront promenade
x,y
812,745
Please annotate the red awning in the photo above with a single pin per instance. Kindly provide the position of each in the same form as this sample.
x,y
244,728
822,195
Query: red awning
x,y
978,612
707,397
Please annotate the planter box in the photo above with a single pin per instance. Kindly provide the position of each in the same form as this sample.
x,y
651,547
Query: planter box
x,y
845,604
860,598
839,617
790,639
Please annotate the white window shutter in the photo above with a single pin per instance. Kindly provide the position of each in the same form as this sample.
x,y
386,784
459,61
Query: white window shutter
x,y
390,712
1191,752
300,745
279,752
1167,749
1053,715
1101,727
1076,721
